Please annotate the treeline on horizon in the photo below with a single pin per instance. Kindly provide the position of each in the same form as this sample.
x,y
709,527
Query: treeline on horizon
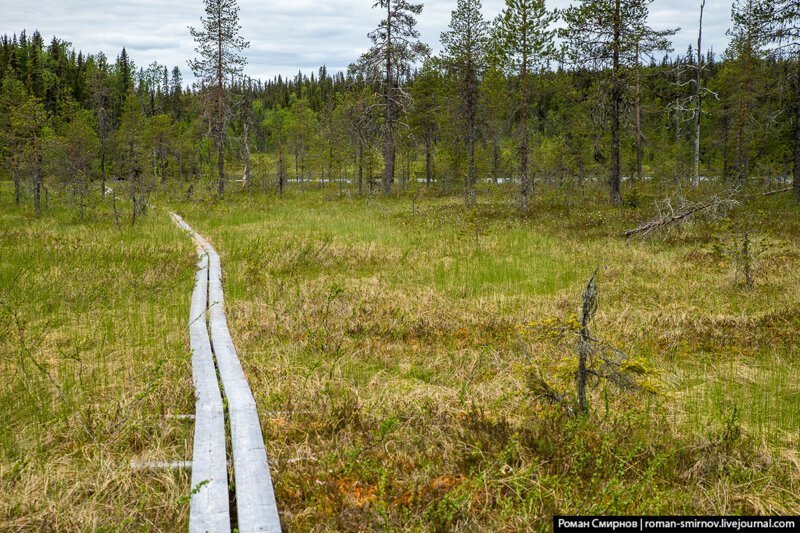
x,y
70,123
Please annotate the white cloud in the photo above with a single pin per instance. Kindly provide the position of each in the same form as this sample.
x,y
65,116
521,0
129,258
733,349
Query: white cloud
x,y
285,35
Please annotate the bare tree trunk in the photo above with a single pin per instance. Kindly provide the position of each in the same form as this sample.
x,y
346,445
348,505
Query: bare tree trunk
x,y
638,126
524,178
495,160
588,309
698,95
616,97
279,171
796,170
360,168
472,105
15,179
102,168
428,160
37,183
134,202
524,182
637,116
725,134
220,125
472,198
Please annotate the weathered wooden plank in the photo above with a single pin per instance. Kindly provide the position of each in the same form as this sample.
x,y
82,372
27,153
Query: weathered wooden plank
x,y
208,508
161,465
255,497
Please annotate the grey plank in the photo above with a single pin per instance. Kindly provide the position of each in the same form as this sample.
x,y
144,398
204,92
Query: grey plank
x,y
208,508
255,498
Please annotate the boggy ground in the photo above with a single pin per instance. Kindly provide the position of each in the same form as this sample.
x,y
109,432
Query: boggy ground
x,y
94,360
396,350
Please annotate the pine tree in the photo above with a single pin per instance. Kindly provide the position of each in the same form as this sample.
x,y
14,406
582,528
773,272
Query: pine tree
x,y
219,47
778,23
424,116
132,152
612,34
464,54
396,47
523,43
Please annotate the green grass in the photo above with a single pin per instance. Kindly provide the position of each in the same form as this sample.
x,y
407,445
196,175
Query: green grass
x,y
95,354
391,346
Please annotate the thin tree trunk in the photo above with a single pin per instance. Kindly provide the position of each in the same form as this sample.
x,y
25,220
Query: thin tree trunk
x,y
637,117
428,160
133,190
37,183
360,168
15,179
698,95
725,134
495,160
614,180
388,149
796,170
472,199
472,104
102,168
220,127
524,179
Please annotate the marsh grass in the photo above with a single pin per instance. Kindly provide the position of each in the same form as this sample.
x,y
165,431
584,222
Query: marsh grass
x,y
95,354
390,345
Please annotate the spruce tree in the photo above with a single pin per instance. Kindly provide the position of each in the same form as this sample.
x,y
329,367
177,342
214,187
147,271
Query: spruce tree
x,y
464,56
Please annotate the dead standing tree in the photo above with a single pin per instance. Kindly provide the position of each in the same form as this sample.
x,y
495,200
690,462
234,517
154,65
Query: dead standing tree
x,y
597,360
588,310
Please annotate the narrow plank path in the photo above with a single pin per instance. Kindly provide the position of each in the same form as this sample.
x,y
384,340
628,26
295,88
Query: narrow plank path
x,y
256,509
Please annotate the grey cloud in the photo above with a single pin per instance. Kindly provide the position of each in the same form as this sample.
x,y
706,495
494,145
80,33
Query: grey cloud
x,y
285,35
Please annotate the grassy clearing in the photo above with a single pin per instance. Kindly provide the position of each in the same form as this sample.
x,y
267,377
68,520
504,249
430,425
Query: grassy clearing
x,y
94,356
391,345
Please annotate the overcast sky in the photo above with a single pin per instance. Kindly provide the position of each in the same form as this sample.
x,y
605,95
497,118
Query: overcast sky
x,y
285,35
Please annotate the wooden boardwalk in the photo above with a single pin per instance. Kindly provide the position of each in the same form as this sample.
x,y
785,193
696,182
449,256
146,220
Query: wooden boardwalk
x,y
214,362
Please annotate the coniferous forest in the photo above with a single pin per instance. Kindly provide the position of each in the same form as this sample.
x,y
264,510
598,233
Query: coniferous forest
x,y
545,266
587,103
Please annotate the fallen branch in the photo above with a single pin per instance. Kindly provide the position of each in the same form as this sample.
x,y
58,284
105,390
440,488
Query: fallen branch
x,y
671,216
777,191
